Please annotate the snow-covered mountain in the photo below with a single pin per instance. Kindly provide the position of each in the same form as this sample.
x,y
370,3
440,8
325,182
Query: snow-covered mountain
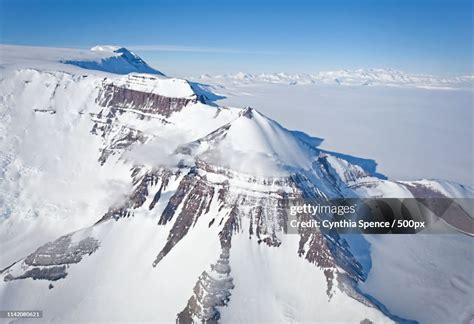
x,y
360,77
118,60
112,59
135,198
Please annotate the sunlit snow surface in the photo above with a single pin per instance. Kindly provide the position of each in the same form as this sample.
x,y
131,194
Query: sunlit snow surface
x,y
411,133
52,184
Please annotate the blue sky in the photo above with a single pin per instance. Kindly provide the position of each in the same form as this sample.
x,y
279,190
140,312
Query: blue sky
x,y
194,37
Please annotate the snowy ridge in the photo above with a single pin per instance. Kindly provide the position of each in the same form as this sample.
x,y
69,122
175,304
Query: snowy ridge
x,y
119,60
254,144
160,85
360,77
109,59
136,200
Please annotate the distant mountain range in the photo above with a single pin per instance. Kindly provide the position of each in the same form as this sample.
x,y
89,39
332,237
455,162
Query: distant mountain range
x,y
361,77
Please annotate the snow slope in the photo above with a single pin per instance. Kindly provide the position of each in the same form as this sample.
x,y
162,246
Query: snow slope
x,y
51,182
168,87
433,274
420,133
256,145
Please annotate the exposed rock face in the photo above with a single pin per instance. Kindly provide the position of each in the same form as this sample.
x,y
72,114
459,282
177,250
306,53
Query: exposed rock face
x,y
48,111
49,273
449,209
116,137
231,226
119,99
195,194
184,186
145,182
265,213
145,102
212,290
49,261
62,251
122,139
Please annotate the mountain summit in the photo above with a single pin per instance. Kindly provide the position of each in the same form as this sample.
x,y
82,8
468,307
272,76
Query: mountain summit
x,y
254,144
115,59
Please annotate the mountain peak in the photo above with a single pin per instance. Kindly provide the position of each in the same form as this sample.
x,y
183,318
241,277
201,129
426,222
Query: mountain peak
x,y
253,144
247,112
114,59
